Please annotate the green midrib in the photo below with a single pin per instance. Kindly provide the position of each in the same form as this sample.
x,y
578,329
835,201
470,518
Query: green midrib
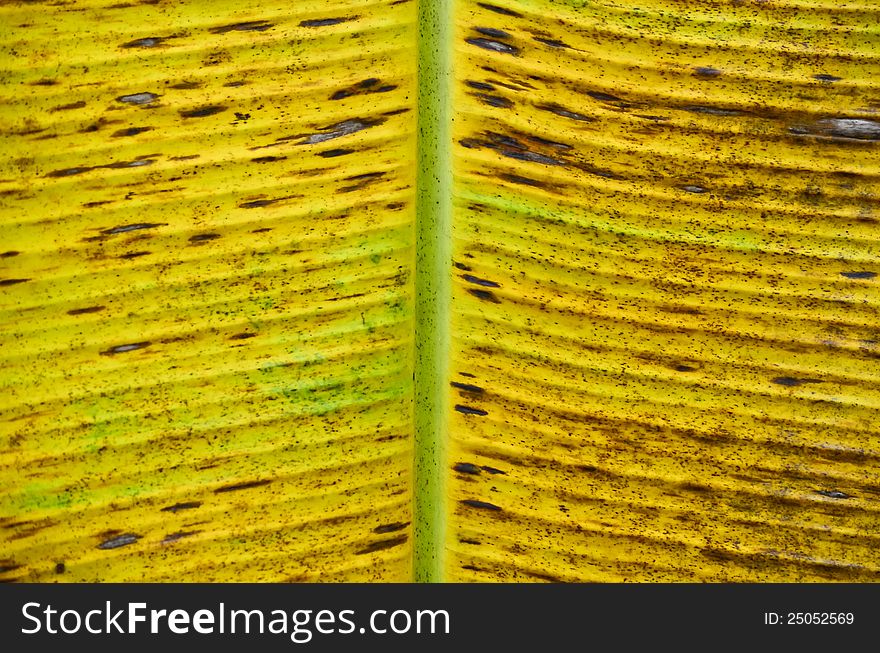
x,y
433,286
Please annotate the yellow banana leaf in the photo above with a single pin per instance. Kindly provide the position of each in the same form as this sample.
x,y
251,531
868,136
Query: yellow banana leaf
x,y
387,290
207,290
666,335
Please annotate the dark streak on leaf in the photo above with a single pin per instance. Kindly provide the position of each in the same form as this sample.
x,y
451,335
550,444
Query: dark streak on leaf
x,y
495,100
119,541
382,545
337,130
243,336
391,528
138,98
565,113
202,112
122,349
132,227
706,72
366,176
525,181
493,470
494,33
323,22
480,86
84,311
791,382
697,190
499,10
137,163
553,43
493,46
606,97
256,204
179,535
72,105
201,238
480,282
12,282
148,42
69,172
483,505
549,143
248,26
834,494
268,159
484,294
467,410
187,505
329,154
369,85
713,111
242,486
475,389
467,468
859,275
532,157
131,131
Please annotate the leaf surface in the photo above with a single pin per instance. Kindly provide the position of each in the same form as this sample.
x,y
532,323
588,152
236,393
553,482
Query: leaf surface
x,y
207,217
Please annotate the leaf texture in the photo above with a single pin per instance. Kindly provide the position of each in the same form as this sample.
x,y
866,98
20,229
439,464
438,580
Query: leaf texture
x,y
665,325
664,359
206,290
